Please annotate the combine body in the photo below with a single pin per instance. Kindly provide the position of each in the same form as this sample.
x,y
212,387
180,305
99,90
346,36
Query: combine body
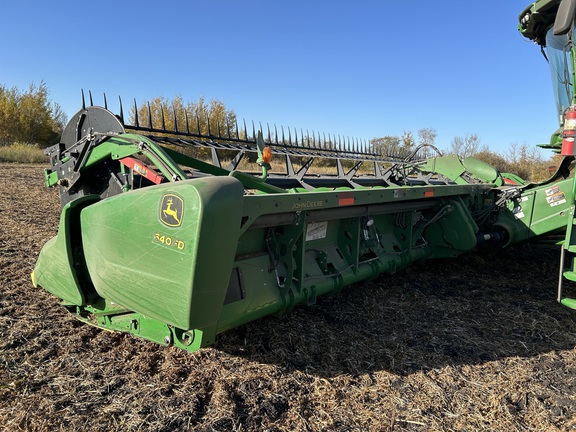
x,y
159,239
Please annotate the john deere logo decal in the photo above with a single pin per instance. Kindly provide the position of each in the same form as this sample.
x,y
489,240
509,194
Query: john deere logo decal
x,y
171,210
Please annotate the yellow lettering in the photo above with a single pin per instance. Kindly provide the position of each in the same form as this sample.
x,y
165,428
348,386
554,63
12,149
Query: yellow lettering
x,y
307,205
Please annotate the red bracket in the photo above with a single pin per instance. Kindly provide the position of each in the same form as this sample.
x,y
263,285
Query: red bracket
x,y
142,169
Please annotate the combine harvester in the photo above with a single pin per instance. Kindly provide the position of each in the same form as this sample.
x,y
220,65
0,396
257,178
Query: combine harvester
x,y
160,243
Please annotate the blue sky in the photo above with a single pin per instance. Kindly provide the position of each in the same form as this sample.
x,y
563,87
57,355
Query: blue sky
x,y
358,68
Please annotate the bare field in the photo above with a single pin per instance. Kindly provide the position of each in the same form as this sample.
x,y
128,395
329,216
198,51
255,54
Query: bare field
x,y
474,343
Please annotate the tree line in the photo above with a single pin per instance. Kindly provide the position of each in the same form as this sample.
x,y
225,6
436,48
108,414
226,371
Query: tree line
x,y
29,117
200,116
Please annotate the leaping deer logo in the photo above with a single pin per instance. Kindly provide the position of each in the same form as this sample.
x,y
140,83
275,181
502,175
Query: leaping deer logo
x,y
171,210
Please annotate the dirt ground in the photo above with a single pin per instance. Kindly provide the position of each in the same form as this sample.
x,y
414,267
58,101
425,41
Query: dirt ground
x,y
474,343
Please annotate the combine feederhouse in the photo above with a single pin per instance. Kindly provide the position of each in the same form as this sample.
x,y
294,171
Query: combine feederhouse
x,y
159,239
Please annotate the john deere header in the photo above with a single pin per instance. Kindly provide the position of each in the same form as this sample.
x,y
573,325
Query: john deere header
x,y
159,239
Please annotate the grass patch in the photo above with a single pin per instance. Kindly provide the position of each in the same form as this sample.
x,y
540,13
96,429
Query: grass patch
x,y
22,153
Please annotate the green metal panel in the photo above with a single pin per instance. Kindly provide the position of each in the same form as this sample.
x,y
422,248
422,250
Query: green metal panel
x,y
551,207
334,239
60,260
538,211
454,230
166,251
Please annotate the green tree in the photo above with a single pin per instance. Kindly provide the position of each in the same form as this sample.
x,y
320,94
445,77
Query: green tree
x,y
9,100
29,117
408,144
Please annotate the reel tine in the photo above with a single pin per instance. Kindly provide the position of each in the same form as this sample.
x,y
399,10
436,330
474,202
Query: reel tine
x,y
275,134
119,101
136,119
162,116
218,127
268,127
90,94
187,123
84,101
197,123
208,124
149,116
105,102
175,119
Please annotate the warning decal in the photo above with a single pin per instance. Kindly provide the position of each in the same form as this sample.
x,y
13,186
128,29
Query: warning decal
x,y
556,199
552,190
554,196
316,230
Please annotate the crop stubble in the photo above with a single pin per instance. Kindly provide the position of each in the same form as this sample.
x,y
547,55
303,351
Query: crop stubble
x,y
474,343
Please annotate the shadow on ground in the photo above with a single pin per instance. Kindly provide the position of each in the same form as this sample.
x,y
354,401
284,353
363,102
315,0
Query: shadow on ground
x,y
470,310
